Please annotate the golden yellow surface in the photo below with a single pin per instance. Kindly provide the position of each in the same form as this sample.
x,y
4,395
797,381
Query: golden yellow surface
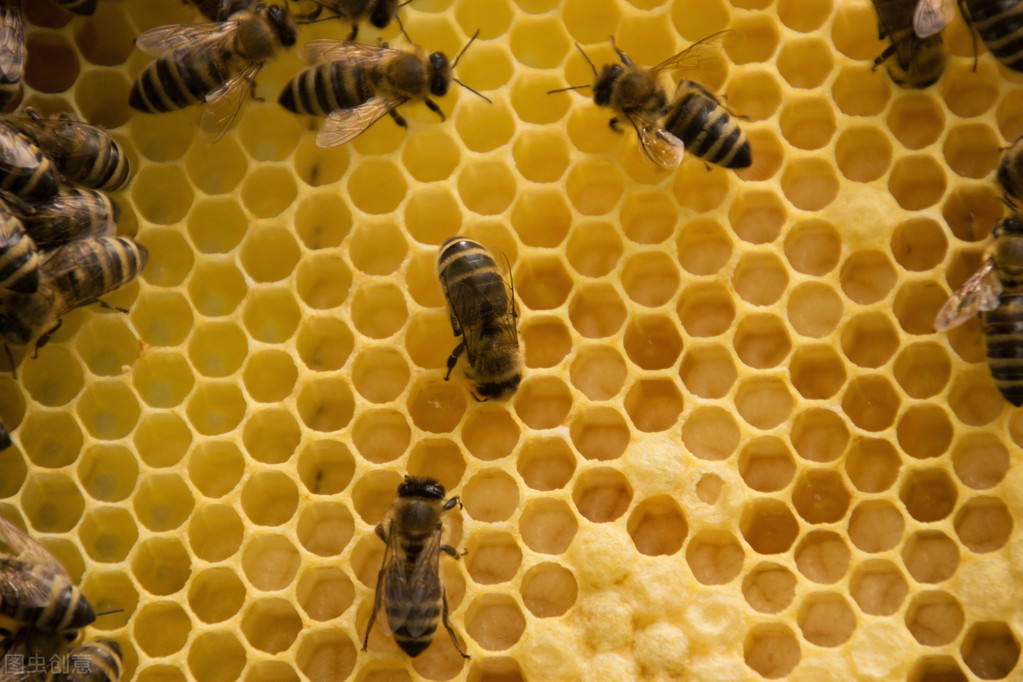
x,y
739,449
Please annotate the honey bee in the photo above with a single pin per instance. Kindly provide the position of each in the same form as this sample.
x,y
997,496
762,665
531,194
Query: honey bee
x,y
215,62
409,584
1010,170
996,292
25,171
997,22
482,309
83,154
355,85
219,10
706,127
71,214
78,6
380,12
19,256
72,275
12,50
31,654
918,62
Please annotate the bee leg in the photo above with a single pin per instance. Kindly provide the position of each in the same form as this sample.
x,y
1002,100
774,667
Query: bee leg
x,y
432,106
447,624
477,398
381,533
10,359
450,504
376,607
397,118
104,304
453,359
354,33
45,338
614,125
881,58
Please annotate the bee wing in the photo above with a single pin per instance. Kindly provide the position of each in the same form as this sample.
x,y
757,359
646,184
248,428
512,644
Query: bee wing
x,y
700,51
979,292
422,586
344,125
12,42
477,303
397,588
224,103
27,549
159,40
330,50
930,16
658,144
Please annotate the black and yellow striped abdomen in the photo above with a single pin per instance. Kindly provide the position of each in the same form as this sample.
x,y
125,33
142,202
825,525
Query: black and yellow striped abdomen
x,y
72,214
414,620
1003,332
19,257
707,128
181,78
999,23
90,268
24,170
34,595
96,661
325,87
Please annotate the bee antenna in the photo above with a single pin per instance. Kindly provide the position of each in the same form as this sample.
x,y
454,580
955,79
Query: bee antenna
x,y
459,56
570,87
401,27
478,94
587,58
107,613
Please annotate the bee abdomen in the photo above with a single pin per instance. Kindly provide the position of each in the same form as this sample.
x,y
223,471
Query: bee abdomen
x,y
107,168
66,607
1003,333
421,619
999,23
72,214
178,80
323,88
100,660
19,258
708,130
461,258
97,266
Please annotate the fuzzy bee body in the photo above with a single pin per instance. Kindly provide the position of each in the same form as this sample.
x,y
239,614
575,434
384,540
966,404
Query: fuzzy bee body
x,y
25,171
99,660
19,256
72,214
5,438
706,127
481,305
999,23
408,586
1010,170
220,10
12,50
912,61
94,661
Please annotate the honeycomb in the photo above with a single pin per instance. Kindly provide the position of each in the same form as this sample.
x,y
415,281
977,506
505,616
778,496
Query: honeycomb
x,y
739,451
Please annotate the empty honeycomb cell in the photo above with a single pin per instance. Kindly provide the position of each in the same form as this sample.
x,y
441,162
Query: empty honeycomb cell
x,y
269,498
990,650
101,97
495,622
757,39
104,38
594,249
820,496
547,341
490,434
757,216
483,127
325,655
971,212
373,494
710,433
169,137
269,253
871,402
543,283
658,526
378,310
216,656
652,342
108,410
975,400
772,650
323,281
760,278
421,280
548,590
55,380
807,122
216,594
322,220
162,501
106,345
596,310
653,404
490,496
270,315
271,670
817,371
377,249
969,89
916,305
878,587
379,374
271,435
547,525
161,194
324,592
805,62
971,150
493,558
754,93
271,624
854,32
867,276
215,467
876,526
107,534
922,369
761,340
546,463
215,408
231,225
325,404
919,244
215,532
869,339
317,166
822,556
763,402
268,191
707,371
930,556
650,278
819,435
934,618
928,494
715,557
924,431
703,247
768,526
594,187
936,669
425,328
863,153
375,186
486,188
916,182
381,435
709,488
437,406
326,467
161,628
983,524
161,565
648,217
769,587
54,65
981,461
539,42
269,133
107,472
50,439
217,349
917,121
766,465
270,562
803,16
826,619
162,378
218,173
700,189
269,376
809,183
813,247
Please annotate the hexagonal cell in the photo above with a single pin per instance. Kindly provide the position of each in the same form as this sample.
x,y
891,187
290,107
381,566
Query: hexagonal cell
x,y
269,253
107,534
814,309
494,557
215,532
768,526
381,435
703,247
981,461
162,194
971,212
271,315
324,592
161,565
983,524
163,378
706,309
376,186
495,622
51,502
869,339
543,283
216,594
715,557
430,154
971,150
754,93
270,562
707,371
218,173
215,467
807,122
916,306
648,217
876,526
547,341
269,498
922,369
990,650
216,655
772,650
541,217
805,62
547,525
757,216
596,310
934,618
56,380
486,187
325,528
826,619
919,244
491,496
817,371
373,494
863,153
930,556
325,404
162,502
936,669
54,67
859,90
217,349
924,431
436,406
867,276
769,587
215,408
598,370
928,494
377,248
871,402
107,472
916,182
760,278
917,121
872,465
761,341
593,248
484,128
654,404
322,220
546,463
809,183
324,343
822,556
766,465
378,310
227,215
657,525
263,671
698,188
650,278
970,91
710,433
107,346
108,410
269,376
325,654
271,624
326,467
490,434
820,496
439,458
543,402
161,628
50,439
763,402
878,587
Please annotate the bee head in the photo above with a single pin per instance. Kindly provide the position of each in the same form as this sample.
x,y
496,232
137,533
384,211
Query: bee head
x,y
440,74
1011,226
383,13
283,25
602,88
421,486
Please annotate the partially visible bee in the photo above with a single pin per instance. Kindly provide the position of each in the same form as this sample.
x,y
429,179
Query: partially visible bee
x,y
999,23
918,62
71,214
220,10
5,438
19,256
996,291
12,50
72,275
380,12
214,62
45,656
1010,170
355,85
24,170
706,127
78,6
409,584
83,154
482,309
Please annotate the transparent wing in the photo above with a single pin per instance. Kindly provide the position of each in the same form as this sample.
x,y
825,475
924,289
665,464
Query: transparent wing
x,y
12,41
28,550
658,144
344,125
980,292
397,589
224,103
16,152
160,40
931,16
424,582
329,50
696,55
20,586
